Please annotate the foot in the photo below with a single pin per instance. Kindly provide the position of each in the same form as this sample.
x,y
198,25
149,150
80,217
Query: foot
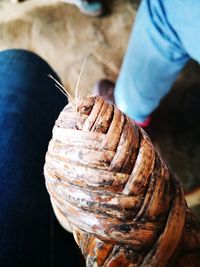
x,y
105,88
144,124
88,7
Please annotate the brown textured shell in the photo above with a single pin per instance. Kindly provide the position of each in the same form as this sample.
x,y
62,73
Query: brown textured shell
x,y
110,187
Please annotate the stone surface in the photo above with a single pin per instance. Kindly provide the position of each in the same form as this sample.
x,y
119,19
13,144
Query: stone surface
x,y
64,37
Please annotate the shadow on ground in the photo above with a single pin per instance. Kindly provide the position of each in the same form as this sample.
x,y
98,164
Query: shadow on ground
x,y
175,129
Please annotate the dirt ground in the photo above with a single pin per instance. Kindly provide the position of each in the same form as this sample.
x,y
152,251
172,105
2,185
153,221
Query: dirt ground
x,y
64,37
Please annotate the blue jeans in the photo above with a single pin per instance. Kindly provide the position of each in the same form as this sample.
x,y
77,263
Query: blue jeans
x,y
164,37
29,105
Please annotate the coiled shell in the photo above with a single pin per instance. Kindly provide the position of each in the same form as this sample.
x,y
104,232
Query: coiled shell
x,y
110,187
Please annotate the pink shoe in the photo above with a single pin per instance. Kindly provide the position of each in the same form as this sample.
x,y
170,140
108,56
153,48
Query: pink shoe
x,y
145,123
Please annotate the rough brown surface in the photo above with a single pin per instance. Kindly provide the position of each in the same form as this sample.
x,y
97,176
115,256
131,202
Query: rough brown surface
x,y
120,199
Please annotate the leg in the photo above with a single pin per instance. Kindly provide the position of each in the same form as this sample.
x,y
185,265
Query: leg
x,y
154,58
29,105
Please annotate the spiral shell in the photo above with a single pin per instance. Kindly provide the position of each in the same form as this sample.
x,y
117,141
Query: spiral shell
x,y
110,187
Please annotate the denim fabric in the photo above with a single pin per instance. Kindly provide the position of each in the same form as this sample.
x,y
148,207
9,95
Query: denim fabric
x,y
165,36
29,105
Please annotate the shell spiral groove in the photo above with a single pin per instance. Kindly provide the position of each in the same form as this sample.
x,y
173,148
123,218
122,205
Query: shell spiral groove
x,y
110,187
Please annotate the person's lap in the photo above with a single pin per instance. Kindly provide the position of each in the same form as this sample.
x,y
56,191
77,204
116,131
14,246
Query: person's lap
x,y
29,105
